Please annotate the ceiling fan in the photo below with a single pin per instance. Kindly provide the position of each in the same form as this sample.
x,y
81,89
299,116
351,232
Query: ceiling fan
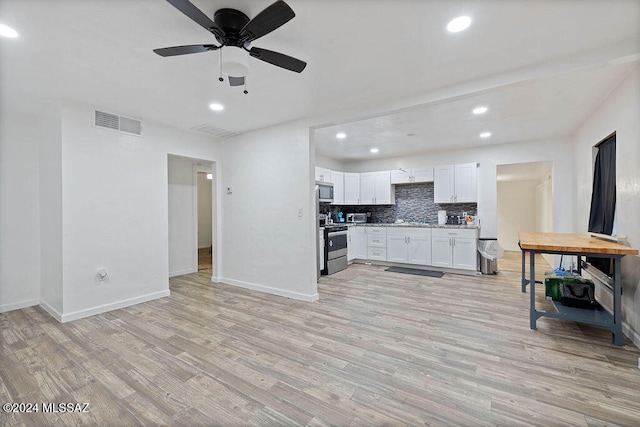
x,y
235,30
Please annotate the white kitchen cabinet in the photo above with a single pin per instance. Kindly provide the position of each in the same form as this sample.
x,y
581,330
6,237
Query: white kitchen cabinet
x,y
409,245
455,248
375,188
466,186
323,174
376,243
410,176
422,174
455,183
351,188
367,188
337,178
357,244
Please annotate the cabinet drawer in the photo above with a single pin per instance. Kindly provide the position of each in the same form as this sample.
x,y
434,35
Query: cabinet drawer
x,y
379,254
376,230
469,233
379,241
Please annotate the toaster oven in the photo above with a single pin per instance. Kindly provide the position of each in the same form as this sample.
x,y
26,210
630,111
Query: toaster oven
x,y
357,217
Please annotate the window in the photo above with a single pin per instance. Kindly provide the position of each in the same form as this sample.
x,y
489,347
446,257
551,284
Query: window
x,y
603,197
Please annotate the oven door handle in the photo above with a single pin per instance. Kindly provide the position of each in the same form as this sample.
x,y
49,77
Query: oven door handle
x,y
337,233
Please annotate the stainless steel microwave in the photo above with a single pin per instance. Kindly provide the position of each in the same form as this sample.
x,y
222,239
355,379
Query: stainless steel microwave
x,y
324,192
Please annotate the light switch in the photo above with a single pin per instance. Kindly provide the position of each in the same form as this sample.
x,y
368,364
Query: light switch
x,y
300,213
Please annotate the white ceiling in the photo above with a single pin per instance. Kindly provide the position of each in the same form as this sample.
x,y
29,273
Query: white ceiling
x,y
566,54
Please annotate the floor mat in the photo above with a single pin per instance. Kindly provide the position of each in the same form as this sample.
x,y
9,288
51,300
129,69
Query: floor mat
x,y
415,271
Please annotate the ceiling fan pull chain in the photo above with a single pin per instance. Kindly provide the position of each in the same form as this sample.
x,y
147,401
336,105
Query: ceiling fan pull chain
x,y
220,65
245,91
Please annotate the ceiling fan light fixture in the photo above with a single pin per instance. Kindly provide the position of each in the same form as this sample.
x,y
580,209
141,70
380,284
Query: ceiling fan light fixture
x,y
458,24
234,61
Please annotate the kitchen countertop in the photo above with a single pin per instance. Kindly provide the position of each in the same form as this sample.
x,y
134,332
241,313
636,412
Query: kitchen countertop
x,y
414,224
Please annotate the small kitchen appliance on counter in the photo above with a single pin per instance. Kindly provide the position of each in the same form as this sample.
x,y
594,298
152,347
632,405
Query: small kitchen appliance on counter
x,y
358,218
442,217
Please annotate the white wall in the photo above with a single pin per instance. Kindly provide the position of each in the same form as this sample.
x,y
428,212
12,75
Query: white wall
x,y
329,163
516,211
556,150
19,212
267,246
115,205
50,210
620,112
204,210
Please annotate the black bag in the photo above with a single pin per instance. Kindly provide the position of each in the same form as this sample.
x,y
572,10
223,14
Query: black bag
x,y
578,294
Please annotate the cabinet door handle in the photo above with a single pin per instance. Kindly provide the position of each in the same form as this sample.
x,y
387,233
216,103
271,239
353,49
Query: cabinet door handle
x,y
408,239
451,198
455,198
454,241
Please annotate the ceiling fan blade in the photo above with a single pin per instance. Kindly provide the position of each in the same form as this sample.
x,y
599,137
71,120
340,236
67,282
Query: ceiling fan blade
x,y
236,81
278,59
266,21
183,50
196,15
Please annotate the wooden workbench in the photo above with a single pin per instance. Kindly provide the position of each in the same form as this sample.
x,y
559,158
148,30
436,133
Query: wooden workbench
x,y
576,245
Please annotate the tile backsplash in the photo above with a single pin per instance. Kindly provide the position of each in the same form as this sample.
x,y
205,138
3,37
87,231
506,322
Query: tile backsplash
x,y
414,203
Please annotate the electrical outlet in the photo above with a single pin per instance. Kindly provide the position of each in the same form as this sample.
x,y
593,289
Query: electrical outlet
x,y
300,213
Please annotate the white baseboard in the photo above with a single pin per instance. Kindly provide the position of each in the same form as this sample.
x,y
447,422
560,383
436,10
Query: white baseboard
x,y
66,317
271,290
216,279
184,271
18,305
633,335
52,311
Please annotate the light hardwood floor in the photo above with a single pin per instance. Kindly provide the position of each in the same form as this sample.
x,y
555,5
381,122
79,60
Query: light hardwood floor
x,y
378,348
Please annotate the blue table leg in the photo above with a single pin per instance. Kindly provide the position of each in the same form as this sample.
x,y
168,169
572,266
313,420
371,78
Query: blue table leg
x,y
617,302
524,281
532,291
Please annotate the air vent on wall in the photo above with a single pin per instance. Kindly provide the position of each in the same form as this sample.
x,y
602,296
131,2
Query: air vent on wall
x,y
214,131
121,124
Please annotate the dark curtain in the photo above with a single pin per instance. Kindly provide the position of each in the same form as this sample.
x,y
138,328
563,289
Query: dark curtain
x,y
603,197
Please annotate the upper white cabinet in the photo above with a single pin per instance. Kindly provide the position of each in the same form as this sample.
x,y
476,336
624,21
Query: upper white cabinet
x,y
411,176
323,174
337,178
375,188
351,188
455,183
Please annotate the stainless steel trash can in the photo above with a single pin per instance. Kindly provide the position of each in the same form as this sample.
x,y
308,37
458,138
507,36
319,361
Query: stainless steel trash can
x,y
487,265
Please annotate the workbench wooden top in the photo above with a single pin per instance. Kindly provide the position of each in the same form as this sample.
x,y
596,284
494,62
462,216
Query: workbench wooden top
x,y
569,242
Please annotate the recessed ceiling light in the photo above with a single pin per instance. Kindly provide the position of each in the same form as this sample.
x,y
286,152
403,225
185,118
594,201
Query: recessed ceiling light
x,y
8,32
459,24
341,135
374,150
216,107
480,110
485,134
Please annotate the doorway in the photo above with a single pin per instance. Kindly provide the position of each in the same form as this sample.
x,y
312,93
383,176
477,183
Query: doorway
x,y
191,215
524,200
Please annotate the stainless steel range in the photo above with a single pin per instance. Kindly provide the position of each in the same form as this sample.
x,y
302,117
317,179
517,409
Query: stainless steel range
x,y
335,248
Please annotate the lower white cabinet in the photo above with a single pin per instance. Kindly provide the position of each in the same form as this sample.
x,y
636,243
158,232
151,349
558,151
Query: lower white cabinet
x,y
454,248
409,245
357,244
377,243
